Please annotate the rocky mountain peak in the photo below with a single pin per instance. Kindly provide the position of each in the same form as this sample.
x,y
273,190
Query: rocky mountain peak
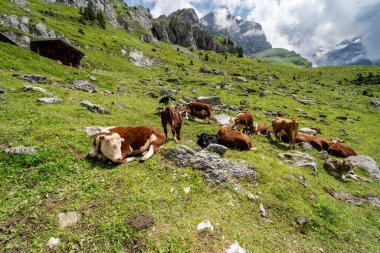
x,y
186,15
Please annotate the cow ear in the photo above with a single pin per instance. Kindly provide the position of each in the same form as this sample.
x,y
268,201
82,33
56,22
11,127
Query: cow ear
x,y
122,139
101,137
198,136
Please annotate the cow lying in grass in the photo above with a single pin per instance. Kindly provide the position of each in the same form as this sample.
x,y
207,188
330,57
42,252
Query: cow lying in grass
x,y
206,139
116,143
234,139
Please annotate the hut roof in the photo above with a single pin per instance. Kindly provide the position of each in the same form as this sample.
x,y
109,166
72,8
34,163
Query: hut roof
x,y
58,41
4,38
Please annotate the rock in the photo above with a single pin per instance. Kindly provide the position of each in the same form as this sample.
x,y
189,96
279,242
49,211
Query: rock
x,y
27,88
107,92
186,190
308,131
306,101
215,168
282,87
137,58
205,225
281,114
302,220
235,248
35,78
2,89
353,199
122,89
93,130
264,213
299,159
341,118
52,242
205,70
252,197
120,105
92,79
94,108
240,79
324,154
67,219
83,86
153,95
243,102
217,72
50,100
305,145
222,119
265,93
229,87
375,103
342,130
217,148
209,100
20,150
317,129
169,92
139,222
368,164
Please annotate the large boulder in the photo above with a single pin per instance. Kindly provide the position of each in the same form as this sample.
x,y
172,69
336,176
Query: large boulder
x,y
222,119
209,100
27,88
299,159
82,85
368,164
34,78
94,108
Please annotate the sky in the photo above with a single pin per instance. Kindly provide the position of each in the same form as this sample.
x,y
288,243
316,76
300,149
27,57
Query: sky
x,y
300,25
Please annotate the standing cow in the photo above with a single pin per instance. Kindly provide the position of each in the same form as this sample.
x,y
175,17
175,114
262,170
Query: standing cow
x,y
175,119
116,143
200,110
289,126
243,121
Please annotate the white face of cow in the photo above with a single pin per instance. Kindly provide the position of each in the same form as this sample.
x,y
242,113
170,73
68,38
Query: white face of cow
x,y
110,145
232,122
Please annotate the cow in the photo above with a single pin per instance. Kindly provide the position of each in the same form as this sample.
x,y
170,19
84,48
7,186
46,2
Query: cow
x,y
289,126
234,139
199,110
260,128
316,142
206,139
116,143
175,119
243,121
340,150
165,100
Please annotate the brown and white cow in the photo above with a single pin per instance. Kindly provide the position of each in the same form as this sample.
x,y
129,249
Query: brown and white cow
x,y
243,121
116,143
289,126
317,142
260,128
200,110
175,119
340,150
234,139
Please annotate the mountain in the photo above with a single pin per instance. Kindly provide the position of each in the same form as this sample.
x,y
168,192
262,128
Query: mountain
x,y
281,55
246,34
347,52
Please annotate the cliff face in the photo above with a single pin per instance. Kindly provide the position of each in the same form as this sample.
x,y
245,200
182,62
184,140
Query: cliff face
x,y
246,34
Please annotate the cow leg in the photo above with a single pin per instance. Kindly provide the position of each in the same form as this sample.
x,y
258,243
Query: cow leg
x,y
174,133
178,132
124,154
148,154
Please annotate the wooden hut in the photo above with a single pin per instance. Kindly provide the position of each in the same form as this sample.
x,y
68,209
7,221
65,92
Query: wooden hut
x,y
4,38
57,49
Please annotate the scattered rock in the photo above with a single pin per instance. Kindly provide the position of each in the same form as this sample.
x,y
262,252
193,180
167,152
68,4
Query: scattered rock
x,y
282,87
52,242
308,131
299,159
122,89
243,102
353,199
240,79
35,78
215,168
21,150
375,103
139,221
186,190
303,181
222,119
342,130
341,118
252,197
107,92
217,148
120,105
67,219
2,89
27,88
137,58
264,213
83,86
50,100
94,108
368,164
209,100
93,130
153,95
265,93
235,248
169,92
302,220
324,154
205,70
306,101
305,145
205,225
92,79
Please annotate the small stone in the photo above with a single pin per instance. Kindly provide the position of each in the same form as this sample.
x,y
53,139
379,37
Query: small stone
x,y
139,221
92,79
302,220
235,248
209,100
222,119
240,79
341,118
107,92
217,148
2,89
186,190
305,145
367,163
299,159
35,78
94,108
67,219
312,197
252,197
264,213
27,88
120,105
306,101
83,86
52,242
308,131
375,103
21,150
205,225
342,130
50,100
243,102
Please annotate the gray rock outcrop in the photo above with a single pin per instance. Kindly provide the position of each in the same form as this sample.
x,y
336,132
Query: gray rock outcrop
x,y
2,89
138,58
82,85
299,159
222,119
34,78
50,100
94,108
217,148
27,88
21,150
215,168
368,164
120,105
209,100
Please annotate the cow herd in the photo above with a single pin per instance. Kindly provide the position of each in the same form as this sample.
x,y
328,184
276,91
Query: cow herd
x,y
121,144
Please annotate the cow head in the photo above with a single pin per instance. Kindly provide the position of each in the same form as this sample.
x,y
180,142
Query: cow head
x,y
110,146
206,139
232,122
255,126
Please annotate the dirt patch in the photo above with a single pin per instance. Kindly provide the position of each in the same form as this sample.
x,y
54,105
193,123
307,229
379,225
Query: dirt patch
x,y
139,221
353,199
4,146
135,246
11,222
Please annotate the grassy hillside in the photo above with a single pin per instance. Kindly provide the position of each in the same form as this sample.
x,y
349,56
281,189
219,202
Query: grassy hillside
x,y
58,178
281,55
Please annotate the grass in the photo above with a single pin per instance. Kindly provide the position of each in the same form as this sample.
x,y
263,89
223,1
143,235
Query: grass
x,y
58,178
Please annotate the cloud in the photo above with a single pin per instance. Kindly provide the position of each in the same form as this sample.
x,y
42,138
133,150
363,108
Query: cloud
x,y
300,25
